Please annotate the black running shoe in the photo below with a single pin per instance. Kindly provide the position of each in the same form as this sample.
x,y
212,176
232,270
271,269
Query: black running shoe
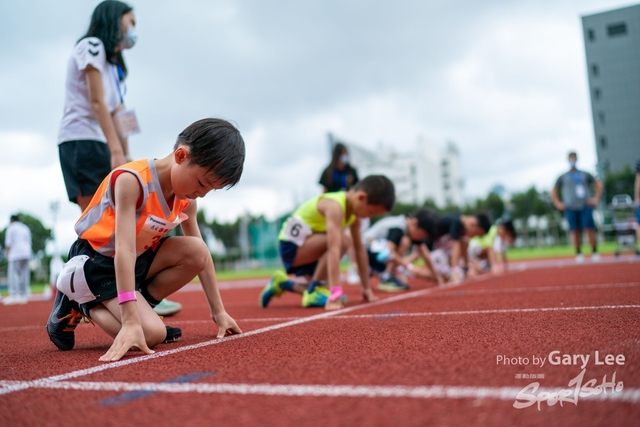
x,y
173,334
65,316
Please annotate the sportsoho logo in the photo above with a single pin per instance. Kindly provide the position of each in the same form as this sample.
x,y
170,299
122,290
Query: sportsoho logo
x,y
577,387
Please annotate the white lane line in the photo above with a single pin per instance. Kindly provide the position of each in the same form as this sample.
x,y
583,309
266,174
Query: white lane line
x,y
398,391
159,354
568,262
494,311
463,292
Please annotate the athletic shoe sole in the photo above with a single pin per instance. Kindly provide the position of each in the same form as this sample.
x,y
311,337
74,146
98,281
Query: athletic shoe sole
x,y
173,334
391,287
62,322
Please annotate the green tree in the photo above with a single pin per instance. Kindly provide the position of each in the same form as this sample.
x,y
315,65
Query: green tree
x,y
620,182
530,202
493,204
40,235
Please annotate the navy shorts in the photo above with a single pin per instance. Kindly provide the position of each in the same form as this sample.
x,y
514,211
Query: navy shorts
x,y
374,263
100,273
580,219
638,215
288,253
85,164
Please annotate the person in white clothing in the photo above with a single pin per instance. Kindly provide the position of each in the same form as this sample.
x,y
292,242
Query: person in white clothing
x,y
93,136
90,140
17,244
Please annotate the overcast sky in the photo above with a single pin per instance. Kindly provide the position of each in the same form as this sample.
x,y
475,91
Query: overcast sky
x,y
504,79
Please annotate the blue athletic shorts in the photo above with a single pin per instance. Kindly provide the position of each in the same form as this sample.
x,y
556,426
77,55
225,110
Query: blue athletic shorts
x,y
638,215
374,263
288,253
581,219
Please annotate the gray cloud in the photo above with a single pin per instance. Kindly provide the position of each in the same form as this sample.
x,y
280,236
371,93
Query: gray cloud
x,y
505,80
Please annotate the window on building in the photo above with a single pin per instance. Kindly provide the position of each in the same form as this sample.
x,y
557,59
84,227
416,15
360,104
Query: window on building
x,y
618,29
603,142
591,35
445,162
595,70
601,117
597,93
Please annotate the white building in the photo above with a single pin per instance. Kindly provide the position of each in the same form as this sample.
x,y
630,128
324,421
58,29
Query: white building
x,y
429,171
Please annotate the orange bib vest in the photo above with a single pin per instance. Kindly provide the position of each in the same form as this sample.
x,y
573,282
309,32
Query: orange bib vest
x,y
154,217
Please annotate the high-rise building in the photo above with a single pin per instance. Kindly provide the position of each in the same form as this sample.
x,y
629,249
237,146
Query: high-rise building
x,y
427,172
612,45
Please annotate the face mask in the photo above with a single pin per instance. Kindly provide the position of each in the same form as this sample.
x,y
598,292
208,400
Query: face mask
x,y
572,163
344,159
129,39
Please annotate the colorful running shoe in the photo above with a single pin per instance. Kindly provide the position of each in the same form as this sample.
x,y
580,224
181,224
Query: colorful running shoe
x,y
65,316
173,334
272,289
167,308
319,297
393,285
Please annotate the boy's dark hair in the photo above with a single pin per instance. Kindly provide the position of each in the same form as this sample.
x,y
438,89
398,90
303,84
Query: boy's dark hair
x,y
106,25
484,221
427,220
380,191
217,146
14,218
509,228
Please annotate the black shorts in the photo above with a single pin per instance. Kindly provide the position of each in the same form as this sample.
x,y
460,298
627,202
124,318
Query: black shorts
x,y
100,273
288,252
85,164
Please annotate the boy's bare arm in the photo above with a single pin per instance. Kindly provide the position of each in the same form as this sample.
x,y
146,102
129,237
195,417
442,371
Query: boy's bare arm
x,y
493,260
456,247
333,214
363,262
126,194
414,255
426,256
226,324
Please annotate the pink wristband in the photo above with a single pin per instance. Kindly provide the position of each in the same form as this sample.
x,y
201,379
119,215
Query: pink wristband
x,y
336,292
125,296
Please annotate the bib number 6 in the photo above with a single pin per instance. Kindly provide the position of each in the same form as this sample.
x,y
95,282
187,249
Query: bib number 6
x,y
296,231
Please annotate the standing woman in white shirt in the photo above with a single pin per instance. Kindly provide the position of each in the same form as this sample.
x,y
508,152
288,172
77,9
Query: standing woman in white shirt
x,y
91,140
93,133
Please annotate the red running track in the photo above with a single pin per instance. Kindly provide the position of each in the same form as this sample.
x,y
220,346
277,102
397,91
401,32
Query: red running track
x,y
432,356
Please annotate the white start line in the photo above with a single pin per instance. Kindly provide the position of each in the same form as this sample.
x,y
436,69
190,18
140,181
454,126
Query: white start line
x,y
398,391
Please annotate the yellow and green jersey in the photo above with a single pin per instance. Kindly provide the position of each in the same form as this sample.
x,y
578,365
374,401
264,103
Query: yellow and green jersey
x,y
309,214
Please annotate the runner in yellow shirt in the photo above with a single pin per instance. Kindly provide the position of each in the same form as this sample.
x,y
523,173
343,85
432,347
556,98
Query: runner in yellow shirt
x,y
313,240
489,252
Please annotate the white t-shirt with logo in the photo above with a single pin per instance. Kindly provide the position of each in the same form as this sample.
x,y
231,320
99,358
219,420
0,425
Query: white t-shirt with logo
x,y
78,121
18,240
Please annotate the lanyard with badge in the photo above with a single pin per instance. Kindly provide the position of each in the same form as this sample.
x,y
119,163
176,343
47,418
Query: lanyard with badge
x,y
125,119
577,178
